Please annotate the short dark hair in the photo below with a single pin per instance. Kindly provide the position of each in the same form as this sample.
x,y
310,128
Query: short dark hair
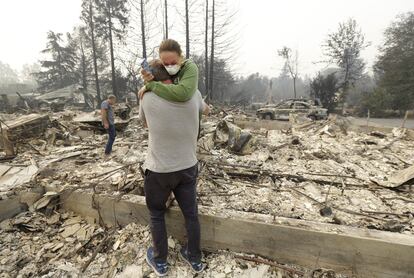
x,y
158,70
170,45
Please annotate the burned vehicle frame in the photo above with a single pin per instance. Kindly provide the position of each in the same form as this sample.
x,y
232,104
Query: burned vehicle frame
x,y
281,111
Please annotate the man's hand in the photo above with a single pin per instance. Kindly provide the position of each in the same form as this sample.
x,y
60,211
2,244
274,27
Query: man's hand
x,y
141,92
147,76
106,125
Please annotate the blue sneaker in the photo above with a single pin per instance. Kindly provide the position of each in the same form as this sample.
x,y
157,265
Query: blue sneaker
x,y
197,267
160,269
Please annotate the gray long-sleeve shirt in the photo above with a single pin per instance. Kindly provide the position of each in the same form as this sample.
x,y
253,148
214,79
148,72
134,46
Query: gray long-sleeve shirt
x,y
173,129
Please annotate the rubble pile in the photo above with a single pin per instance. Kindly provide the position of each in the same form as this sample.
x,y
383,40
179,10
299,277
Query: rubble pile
x,y
68,154
321,171
65,245
316,171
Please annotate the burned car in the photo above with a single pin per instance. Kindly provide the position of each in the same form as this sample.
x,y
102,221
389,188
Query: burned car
x,y
281,111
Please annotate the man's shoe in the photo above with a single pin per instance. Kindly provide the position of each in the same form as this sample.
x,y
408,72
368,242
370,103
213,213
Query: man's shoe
x,y
160,269
197,267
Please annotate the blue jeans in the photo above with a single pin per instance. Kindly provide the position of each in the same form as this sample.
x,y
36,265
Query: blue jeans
x,y
158,187
111,139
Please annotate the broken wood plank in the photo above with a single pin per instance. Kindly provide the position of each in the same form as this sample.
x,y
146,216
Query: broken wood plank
x,y
397,178
356,251
27,126
5,142
13,176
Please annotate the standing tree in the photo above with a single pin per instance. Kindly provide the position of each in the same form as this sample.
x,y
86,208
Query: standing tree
x,y
223,40
112,19
325,88
166,19
87,15
80,41
343,48
187,32
189,12
206,68
211,73
142,34
224,78
143,29
291,64
58,71
395,63
144,46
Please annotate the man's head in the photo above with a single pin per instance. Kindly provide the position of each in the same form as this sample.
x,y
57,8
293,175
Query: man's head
x,y
159,72
112,99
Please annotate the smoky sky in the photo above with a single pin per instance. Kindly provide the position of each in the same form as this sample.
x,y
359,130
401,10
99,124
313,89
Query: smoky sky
x,y
263,27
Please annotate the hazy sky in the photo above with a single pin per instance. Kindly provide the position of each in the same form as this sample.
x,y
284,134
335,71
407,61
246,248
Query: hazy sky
x,y
265,26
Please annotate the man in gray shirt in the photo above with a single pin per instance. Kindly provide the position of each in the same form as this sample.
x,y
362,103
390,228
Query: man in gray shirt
x,y
108,121
171,165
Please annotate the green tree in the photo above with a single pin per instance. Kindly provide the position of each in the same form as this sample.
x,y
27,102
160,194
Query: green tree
x,y
325,88
223,78
59,70
395,65
343,48
79,41
84,66
376,101
111,21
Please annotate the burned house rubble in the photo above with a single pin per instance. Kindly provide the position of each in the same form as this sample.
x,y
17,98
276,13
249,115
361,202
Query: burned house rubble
x,y
68,211
72,96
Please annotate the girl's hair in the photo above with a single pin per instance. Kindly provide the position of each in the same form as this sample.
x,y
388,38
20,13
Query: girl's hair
x,y
170,45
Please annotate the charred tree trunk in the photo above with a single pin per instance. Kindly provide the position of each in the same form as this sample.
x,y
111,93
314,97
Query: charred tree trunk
x,y
84,77
211,82
83,62
95,64
166,19
144,47
111,48
206,56
187,32
294,86
59,61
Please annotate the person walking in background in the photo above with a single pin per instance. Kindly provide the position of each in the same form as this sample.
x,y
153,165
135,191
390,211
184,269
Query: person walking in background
x,y
108,122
